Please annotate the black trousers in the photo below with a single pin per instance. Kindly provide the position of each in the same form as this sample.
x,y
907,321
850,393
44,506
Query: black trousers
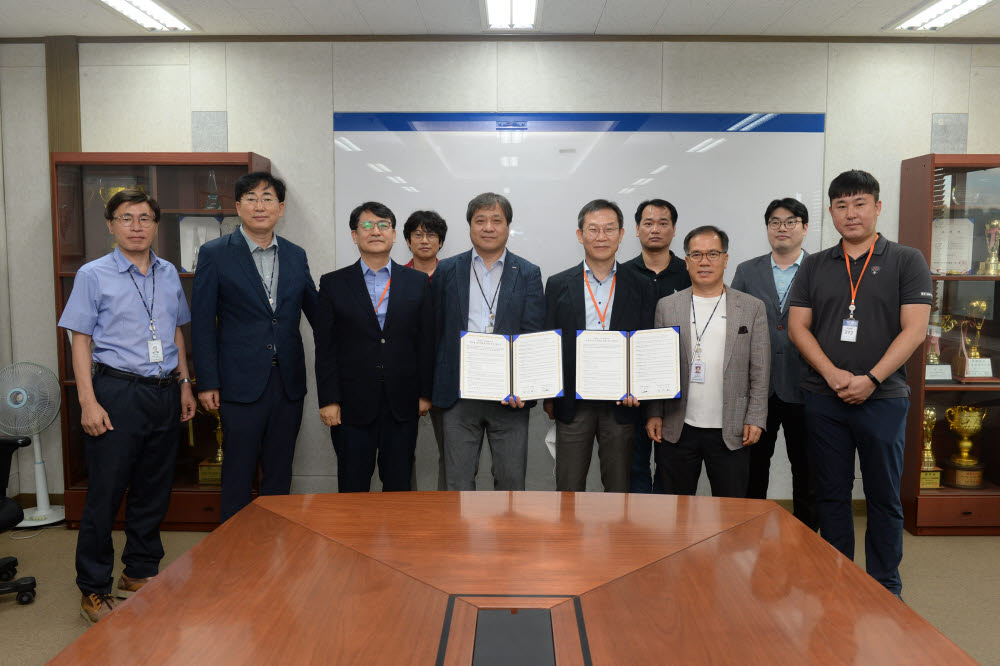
x,y
678,466
791,417
140,456
385,440
264,430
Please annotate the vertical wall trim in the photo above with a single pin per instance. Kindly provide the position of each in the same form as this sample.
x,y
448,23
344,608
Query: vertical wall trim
x,y
62,83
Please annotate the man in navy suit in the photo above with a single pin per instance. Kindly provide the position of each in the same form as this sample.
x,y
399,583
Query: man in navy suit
x,y
595,295
250,290
769,277
374,356
484,290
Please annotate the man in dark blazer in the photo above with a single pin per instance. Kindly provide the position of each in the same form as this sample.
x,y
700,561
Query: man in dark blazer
x,y
724,359
250,290
484,290
374,356
595,295
770,277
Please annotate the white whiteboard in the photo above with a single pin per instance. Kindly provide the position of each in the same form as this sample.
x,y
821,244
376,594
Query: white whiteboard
x,y
550,165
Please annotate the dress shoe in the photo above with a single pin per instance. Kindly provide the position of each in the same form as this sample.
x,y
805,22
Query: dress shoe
x,y
127,586
94,607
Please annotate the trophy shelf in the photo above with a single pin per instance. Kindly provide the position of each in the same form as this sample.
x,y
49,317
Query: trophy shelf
x,y
950,211
195,193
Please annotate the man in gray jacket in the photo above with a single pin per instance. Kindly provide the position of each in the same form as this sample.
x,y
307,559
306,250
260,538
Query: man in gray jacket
x,y
725,362
769,277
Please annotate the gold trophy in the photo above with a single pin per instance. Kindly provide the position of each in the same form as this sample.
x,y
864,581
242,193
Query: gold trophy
x,y
934,370
969,364
963,470
930,473
992,264
210,469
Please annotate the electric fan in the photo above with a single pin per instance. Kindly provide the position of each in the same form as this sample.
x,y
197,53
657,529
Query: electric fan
x,y
29,401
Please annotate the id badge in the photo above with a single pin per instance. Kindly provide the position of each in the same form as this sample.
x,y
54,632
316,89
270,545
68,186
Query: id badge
x,y
698,372
849,333
155,350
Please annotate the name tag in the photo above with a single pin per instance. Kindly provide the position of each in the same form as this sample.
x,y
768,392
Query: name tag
x,y
849,333
155,350
698,372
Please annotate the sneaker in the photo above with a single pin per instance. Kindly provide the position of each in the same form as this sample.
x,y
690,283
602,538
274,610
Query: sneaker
x,y
128,586
94,607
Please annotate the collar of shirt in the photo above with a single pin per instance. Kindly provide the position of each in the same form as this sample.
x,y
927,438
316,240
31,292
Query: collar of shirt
x,y
368,270
590,273
796,263
499,262
253,244
837,251
675,265
123,264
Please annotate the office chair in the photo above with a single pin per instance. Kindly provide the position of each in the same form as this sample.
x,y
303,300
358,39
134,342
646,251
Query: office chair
x,y
10,515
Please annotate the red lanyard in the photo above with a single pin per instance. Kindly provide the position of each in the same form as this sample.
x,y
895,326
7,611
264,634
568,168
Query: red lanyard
x,y
850,278
600,315
382,297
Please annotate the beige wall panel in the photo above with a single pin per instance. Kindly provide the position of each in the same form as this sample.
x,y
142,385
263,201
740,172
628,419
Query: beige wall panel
x,y
984,113
134,54
29,244
447,76
722,77
22,55
135,108
292,124
579,77
951,78
878,114
208,77
986,55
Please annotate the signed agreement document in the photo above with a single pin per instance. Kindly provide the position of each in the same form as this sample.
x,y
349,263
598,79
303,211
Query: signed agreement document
x,y
538,365
484,366
654,363
497,367
601,365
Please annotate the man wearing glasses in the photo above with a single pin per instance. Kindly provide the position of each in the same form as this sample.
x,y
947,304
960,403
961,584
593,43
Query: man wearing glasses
x,y
770,277
250,290
374,356
595,295
724,358
134,392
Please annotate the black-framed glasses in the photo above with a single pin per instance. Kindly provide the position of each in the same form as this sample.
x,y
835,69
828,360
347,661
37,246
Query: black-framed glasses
x,y
420,235
776,223
368,225
711,255
267,201
145,221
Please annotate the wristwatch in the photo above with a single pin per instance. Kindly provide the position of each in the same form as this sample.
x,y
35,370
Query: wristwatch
x,y
184,380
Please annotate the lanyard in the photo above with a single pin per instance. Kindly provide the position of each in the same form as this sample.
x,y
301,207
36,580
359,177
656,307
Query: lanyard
x,y
270,283
152,299
488,302
600,315
382,297
694,314
850,278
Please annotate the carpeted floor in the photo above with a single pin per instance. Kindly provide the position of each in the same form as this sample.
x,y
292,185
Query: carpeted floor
x,y
954,582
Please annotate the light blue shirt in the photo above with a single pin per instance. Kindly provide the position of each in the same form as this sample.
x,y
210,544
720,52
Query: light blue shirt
x,y
480,312
106,305
783,279
266,261
376,282
603,296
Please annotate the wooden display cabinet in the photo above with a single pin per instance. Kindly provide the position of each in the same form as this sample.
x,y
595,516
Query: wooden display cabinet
x,y
195,193
947,204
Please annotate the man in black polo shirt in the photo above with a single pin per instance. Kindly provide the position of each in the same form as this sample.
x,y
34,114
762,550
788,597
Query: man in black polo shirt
x,y
858,310
655,225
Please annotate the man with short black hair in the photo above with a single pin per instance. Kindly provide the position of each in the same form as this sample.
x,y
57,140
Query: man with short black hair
x,y
251,288
485,290
655,226
724,359
858,311
769,277
595,295
134,391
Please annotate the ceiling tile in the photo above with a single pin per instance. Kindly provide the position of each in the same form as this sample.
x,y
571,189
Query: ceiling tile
x,y
575,17
393,17
690,17
444,17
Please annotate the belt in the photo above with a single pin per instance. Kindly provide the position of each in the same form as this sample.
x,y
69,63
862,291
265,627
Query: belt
x,y
169,380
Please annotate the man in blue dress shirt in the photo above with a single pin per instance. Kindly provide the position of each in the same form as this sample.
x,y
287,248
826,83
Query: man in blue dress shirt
x,y
134,392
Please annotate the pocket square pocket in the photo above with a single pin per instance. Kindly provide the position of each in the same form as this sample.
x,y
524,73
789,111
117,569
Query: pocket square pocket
x,y
743,329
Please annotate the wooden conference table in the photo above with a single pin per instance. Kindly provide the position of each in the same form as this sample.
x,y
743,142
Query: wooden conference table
x,y
574,578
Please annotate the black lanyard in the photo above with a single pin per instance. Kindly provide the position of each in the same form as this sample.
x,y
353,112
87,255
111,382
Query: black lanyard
x,y
152,299
488,302
694,314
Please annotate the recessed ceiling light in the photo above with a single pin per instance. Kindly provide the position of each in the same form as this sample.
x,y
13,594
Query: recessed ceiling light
x,y
148,14
938,14
511,14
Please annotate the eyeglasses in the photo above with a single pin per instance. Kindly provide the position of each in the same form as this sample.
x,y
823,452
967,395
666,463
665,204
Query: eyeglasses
x,y
595,232
776,223
145,221
711,255
368,225
268,202
420,235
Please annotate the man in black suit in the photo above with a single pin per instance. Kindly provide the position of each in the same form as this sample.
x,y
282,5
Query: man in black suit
x,y
770,277
485,290
374,356
250,291
595,295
